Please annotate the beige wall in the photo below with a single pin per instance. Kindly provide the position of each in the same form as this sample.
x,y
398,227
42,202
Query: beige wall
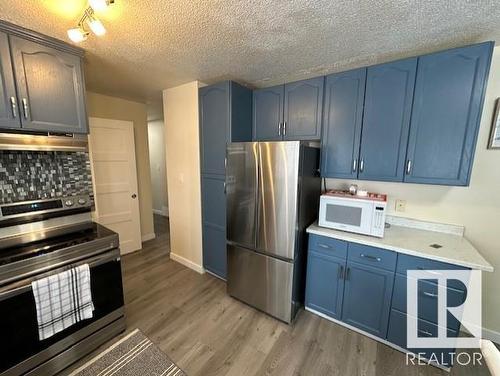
x,y
183,173
107,107
477,207
156,137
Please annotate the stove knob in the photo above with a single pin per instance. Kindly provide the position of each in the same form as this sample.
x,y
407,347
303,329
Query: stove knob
x,y
69,203
82,201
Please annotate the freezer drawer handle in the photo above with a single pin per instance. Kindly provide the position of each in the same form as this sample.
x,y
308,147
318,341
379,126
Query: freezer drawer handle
x,y
425,333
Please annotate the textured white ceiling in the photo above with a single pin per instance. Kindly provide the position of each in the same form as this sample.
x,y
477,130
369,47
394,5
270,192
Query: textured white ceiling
x,y
156,44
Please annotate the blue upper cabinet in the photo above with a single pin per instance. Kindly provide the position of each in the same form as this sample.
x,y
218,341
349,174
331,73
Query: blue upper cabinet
x,y
342,120
448,100
214,125
386,120
268,113
303,109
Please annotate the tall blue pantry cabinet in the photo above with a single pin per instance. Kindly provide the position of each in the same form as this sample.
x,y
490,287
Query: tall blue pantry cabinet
x,y
225,116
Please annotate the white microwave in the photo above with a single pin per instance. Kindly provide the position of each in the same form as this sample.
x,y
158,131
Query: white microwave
x,y
360,214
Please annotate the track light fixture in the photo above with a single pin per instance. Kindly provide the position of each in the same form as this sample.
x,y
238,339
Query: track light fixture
x,y
80,33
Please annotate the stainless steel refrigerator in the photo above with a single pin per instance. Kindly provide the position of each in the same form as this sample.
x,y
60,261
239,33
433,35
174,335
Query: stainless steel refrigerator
x,y
272,192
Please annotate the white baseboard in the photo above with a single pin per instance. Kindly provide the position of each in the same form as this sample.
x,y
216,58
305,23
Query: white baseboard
x,y
184,261
145,238
163,212
491,335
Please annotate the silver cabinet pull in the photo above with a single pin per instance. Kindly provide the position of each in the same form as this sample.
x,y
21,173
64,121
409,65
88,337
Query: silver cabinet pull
x,y
279,129
13,106
284,128
408,167
425,333
370,257
429,294
347,273
25,108
361,165
323,246
354,165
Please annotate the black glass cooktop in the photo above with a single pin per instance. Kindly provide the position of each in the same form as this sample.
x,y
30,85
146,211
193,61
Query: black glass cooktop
x,y
34,249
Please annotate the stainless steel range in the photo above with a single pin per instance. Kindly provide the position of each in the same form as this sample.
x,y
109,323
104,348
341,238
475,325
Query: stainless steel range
x,y
45,237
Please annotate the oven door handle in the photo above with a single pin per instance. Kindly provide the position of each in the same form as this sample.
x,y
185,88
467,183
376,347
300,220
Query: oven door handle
x,y
20,287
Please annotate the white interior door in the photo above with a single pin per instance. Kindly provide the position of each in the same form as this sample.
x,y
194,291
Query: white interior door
x,y
112,154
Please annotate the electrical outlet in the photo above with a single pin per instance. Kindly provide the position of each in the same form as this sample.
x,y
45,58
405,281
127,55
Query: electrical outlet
x,y
400,205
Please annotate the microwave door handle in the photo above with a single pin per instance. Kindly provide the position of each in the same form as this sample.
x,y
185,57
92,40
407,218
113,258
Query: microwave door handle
x,y
25,285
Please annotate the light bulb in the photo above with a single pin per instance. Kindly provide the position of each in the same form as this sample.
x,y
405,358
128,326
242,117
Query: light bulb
x,y
99,5
77,34
96,26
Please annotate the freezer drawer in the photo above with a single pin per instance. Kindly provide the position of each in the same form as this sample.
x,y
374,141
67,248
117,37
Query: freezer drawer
x,y
261,281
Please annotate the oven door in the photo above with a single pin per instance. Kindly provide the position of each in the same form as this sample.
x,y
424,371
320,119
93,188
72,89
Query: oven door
x,y
346,214
18,320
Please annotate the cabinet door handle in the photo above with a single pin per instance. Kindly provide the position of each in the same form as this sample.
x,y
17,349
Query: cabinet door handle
x,y
13,106
370,257
284,128
354,165
25,108
429,294
425,333
279,129
408,167
225,188
347,273
341,272
361,165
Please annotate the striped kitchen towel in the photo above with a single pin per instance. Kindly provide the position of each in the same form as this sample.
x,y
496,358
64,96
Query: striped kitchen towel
x,y
62,300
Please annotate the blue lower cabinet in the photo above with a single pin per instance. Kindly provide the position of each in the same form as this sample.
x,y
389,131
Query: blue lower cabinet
x,y
427,294
325,284
397,335
367,298
214,250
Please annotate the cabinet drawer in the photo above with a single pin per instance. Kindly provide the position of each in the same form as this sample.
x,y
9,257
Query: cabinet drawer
x,y
406,262
376,257
328,246
427,300
397,335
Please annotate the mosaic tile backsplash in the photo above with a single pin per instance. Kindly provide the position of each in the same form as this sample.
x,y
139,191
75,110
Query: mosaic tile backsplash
x,y
29,175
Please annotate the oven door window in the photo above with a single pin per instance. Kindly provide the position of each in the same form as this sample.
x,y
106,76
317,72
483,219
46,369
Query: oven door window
x,y
18,323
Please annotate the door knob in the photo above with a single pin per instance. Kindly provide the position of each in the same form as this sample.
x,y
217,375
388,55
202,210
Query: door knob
x,y
134,196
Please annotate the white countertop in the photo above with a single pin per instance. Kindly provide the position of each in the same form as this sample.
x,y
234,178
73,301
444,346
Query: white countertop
x,y
416,242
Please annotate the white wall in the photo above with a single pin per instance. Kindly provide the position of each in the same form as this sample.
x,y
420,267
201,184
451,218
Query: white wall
x,y
183,173
477,207
157,163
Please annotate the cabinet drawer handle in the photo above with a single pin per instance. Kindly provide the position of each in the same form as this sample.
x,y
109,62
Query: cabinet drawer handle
x,y
370,257
341,272
429,294
408,167
25,108
354,165
426,333
323,246
13,106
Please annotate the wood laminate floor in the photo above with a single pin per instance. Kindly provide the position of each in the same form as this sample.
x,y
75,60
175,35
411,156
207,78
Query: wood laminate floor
x,y
192,319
